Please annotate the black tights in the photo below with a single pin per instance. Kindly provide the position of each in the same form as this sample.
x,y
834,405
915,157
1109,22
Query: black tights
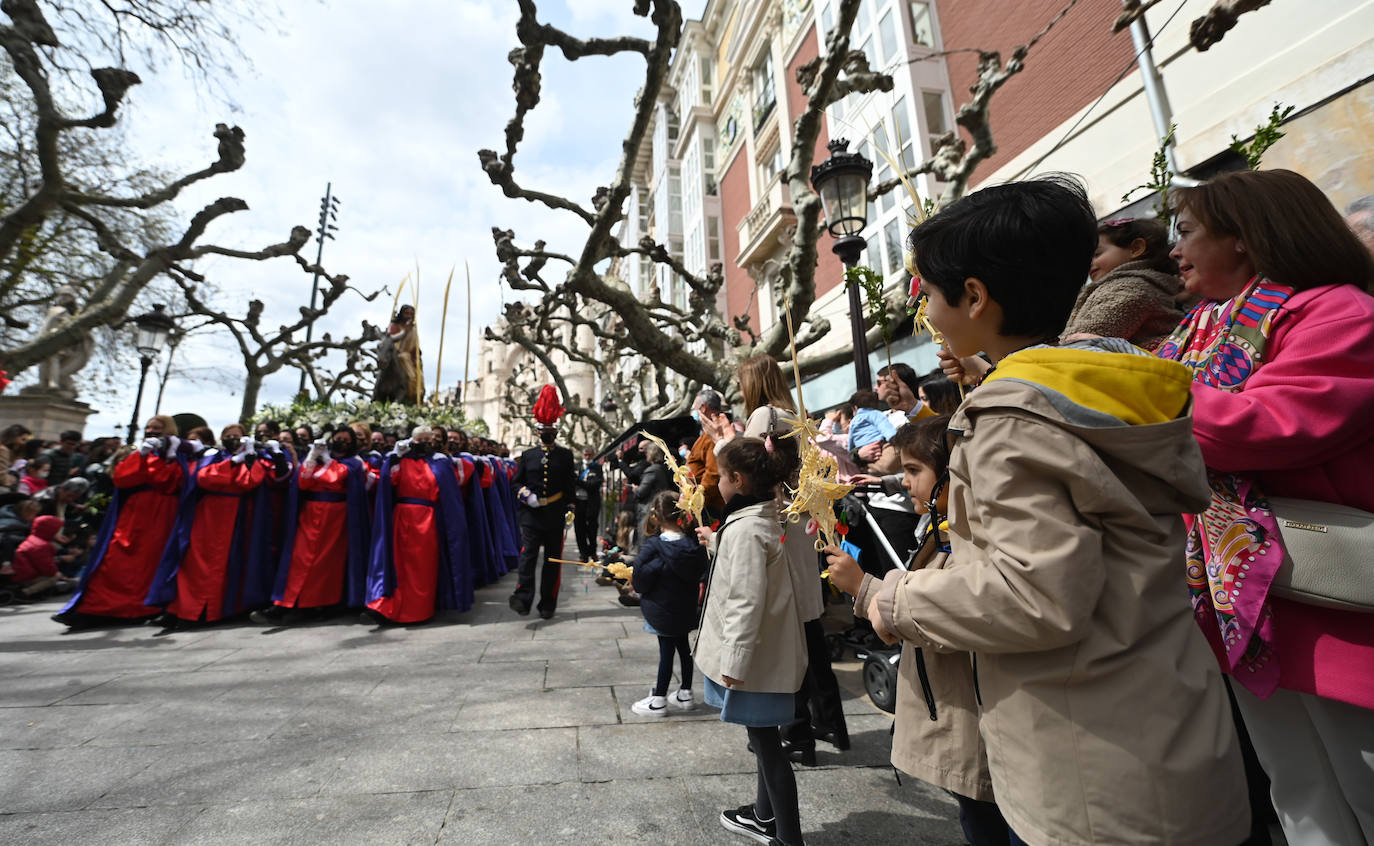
x,y
666,647
777,791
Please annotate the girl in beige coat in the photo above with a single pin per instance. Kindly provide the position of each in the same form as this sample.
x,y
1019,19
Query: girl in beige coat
x,y
935,737
751,650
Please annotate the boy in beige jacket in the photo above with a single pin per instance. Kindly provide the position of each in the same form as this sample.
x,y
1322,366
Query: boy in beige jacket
x,y
1102,711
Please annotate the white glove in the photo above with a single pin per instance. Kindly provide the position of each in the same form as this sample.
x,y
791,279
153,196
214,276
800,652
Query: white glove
x,y
318,450
246,448
274,447
172,443
194,445
528,497
150,446
402,447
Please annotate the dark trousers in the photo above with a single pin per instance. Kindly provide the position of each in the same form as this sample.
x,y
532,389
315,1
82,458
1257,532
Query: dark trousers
x,y
541,537
585,522
776,795
667,647
818,701
982,822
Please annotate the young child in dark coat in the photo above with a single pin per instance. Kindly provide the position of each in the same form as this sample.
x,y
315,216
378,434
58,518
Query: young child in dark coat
x,y
667,576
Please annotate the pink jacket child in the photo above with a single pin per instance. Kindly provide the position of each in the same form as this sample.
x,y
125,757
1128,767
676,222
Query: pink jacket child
x,y
36,557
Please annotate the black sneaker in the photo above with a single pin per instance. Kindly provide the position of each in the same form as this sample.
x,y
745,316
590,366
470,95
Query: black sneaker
x,y
743,821
519,605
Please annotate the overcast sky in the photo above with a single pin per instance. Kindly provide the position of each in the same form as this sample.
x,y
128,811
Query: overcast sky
x,y
390,102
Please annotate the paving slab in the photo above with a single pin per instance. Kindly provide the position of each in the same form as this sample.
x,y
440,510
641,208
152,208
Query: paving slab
x,y
394,818
611,813
502,709
63,780
108,827
662,749
407,763
62,726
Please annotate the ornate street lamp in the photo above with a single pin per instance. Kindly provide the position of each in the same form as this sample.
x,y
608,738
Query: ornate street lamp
x,y
842,182
153,329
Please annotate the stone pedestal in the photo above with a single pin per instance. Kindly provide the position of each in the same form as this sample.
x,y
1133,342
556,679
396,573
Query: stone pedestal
x,y
46,414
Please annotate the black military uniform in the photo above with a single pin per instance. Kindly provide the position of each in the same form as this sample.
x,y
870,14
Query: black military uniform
x,y
588,513
546,471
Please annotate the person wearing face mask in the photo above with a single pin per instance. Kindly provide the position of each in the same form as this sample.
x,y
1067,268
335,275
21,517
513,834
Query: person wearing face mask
x,y
212,566
147,487
324,553
35,476
545,484
419,560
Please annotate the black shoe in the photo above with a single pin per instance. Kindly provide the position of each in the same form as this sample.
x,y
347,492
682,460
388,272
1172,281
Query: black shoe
x,y
519,606
271,615
743,821
545,614
839,738
804,755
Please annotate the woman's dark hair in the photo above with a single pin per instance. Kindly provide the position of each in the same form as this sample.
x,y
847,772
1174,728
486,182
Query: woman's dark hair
x,y
37,461
864,398
1030,243
925,441
762,469
1127,230
942,395
13,433
1290,230
663,514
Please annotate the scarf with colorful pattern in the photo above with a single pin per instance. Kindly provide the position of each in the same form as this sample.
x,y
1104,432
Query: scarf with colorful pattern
x,y
1234,547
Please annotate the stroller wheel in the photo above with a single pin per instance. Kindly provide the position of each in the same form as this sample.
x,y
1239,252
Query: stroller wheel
x,y
880,680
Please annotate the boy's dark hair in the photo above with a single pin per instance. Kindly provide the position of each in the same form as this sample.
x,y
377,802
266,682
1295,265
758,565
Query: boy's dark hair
x,y
1123,232
762,469
1029,242
942,394
847,410
864,398
925,441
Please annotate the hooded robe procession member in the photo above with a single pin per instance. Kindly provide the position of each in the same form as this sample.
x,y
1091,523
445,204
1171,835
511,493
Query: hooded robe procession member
x,y
544,480
419,560
328,525
148,486
488,565
500,500
216,565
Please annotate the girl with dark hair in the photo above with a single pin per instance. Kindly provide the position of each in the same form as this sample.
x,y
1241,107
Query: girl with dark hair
x,y
666,576
751,650
1281,348
1134,288
935,736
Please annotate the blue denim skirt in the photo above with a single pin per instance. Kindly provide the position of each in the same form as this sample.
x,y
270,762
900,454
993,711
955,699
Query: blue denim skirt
x,y
748,707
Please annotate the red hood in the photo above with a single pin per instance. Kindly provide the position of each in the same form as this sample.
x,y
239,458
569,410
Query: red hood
x,y
46,527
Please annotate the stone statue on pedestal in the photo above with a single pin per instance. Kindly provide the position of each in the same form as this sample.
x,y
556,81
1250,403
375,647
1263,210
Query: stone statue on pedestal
x,y
55,373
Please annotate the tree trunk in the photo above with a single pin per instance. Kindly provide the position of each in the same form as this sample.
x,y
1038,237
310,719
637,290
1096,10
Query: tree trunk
x,y
252,384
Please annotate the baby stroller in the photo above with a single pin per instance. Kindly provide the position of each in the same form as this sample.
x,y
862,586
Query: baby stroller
x,y
880,659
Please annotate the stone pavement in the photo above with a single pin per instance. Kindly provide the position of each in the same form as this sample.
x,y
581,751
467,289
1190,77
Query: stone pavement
x,y
479,728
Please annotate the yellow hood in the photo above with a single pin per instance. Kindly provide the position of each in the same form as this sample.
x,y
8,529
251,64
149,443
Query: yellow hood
x,y
1135,389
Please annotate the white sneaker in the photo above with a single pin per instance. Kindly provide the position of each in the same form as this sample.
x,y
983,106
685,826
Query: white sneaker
x,y
682,701
651,706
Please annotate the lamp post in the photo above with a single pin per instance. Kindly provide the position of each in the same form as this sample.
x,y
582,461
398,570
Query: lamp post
x,y
329,211
842,182
174,339
153,329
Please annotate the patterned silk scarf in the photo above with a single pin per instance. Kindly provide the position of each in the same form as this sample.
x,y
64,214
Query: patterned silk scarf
x,y
1234,546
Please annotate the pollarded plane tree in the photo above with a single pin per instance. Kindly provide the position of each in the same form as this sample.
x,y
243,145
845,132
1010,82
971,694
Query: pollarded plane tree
x,y
683,349
129,221
696,346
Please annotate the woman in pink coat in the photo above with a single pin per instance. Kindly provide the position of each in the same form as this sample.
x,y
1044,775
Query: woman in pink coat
x,y
1282,350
